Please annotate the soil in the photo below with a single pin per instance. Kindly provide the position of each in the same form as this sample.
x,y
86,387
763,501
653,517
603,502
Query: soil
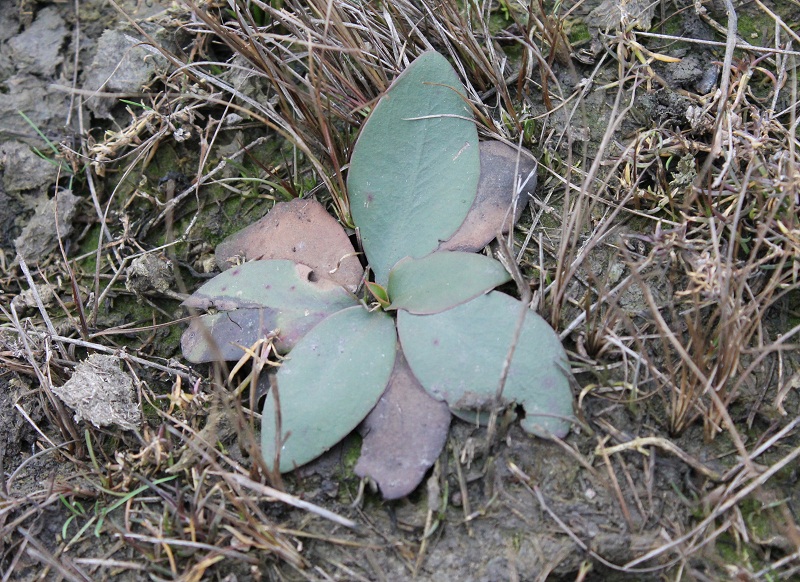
x,y
520,509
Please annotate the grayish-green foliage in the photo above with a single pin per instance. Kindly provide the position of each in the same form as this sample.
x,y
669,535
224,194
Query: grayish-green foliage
x,y
442,280
332,379
414,172
277,284
458,355
412,180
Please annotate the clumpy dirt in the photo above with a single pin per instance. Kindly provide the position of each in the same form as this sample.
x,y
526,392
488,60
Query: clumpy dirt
x,y
17,436
99,392
517,508
507,531
51,221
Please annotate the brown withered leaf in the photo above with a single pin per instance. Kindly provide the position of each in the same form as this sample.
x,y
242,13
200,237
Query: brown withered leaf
x,y
491,211
300,231
403,435
220,336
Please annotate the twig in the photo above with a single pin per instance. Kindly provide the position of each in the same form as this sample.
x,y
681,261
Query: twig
x,y
288,499
638,444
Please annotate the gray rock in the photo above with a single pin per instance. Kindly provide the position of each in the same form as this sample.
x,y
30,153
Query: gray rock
x,y
120,65
39,237
9,26
37,50
9,209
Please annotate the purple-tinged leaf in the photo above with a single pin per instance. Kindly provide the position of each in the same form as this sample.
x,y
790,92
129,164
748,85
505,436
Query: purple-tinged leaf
x,y
220,336
403,435
502,169
301,231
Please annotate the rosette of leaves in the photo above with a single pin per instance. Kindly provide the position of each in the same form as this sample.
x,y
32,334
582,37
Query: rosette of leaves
x,y
431,335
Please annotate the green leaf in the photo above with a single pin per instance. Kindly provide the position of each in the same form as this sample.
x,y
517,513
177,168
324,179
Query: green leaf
x,y
277,284
414,171
332,379
458,356
442,280
379,293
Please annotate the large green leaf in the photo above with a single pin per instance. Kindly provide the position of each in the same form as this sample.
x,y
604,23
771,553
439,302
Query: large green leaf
x,y
332,379
276,284
458,355
442,280
414,171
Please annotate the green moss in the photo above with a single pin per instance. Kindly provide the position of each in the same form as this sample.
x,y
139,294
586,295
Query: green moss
x,y
351,451
170,339
151,414
88,246
730,552
577,31
671,27
350,454
753,26
761,522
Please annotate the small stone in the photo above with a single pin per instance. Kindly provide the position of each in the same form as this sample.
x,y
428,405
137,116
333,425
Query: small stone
x,y
149,273
40,236
101,393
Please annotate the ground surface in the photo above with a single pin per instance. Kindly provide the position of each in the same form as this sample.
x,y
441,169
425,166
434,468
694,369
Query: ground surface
x,y
627,270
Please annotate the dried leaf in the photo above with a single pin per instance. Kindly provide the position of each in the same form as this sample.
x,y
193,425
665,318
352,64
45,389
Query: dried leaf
x,y
403,435
301,231
502,167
